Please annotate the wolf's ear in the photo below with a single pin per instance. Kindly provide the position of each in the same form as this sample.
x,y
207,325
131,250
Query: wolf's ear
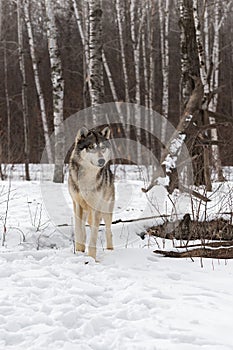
x,y
106,132
81,133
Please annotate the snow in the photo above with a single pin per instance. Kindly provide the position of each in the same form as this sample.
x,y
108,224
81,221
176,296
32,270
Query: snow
x,y
131,299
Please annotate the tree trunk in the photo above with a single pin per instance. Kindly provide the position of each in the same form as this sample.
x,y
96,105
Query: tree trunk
x,y
7,103
136,48
188,51
176,142
83,32
145,70
136,40
164,31
120,17
37,81
190,68
214,84
203,77
1,173
151,92
95,49
58,92
24,88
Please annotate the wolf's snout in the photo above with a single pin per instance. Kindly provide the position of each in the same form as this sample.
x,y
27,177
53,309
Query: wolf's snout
x,y
101,162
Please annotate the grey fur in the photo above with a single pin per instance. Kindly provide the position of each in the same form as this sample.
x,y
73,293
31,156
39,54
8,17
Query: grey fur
x,y
91,186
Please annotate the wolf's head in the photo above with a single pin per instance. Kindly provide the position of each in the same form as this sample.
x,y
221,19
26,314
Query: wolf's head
x,y
93,146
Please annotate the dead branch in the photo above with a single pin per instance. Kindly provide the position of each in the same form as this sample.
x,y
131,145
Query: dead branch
x,y
118,221
194,193
206,142
203,128
221,117
140,219
209,244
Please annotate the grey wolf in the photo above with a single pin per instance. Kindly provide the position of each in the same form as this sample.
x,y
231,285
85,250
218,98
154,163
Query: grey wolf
x,y
91,186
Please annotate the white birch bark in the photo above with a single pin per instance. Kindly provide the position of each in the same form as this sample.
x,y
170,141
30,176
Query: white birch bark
x,y
120,18
184,57
206,38
58,91
95,49
200,46
151,65
214,83
151,92
145,70
37,81
136,40
24,87
105,63
136,55
83,30
109,76
164,31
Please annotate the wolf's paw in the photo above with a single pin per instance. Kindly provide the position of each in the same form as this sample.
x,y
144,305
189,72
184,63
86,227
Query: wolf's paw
x,y
92,252
79,247
110,247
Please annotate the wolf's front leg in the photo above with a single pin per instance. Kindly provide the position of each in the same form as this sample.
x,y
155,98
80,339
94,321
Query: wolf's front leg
x,y
94,234
108,221
80,232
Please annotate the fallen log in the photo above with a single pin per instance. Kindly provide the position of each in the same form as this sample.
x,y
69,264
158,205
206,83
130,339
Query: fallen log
x,y
220,253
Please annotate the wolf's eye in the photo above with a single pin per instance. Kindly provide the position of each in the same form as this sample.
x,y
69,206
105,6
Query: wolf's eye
x,y
92,147
103,147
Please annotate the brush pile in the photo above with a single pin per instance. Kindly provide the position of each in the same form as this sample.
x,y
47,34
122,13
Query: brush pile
x,y
216,238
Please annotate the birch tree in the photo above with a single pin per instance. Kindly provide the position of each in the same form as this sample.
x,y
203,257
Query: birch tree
x,y
136,40
188,51
136,49
209,72
214,85
83,27
164,31
120,19
95,49
58,91
37,79
24,87
86,54
151,58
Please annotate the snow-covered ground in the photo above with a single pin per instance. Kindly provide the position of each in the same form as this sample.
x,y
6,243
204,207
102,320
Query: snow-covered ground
x,y
132,299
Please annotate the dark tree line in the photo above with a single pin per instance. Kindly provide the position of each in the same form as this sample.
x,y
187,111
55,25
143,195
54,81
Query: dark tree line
x,y
136,35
